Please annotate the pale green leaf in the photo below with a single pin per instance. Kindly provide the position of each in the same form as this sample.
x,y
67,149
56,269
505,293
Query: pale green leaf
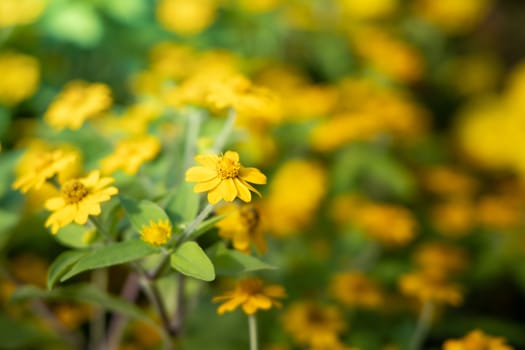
x,y
190,260
231,262
141,213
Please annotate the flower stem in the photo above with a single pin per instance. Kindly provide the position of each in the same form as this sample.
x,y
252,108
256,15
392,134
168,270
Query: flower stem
x,y
423,326
252,325
226,130
97,325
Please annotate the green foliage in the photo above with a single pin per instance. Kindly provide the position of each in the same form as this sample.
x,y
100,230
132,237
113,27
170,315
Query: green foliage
x,y
232,262
190,260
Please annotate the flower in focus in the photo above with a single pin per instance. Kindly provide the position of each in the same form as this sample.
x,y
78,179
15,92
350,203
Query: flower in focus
x,y
19,12
313,325
431,285
78,102
223,177
242,225
186,16
20,76
251,294
40,165
130,154
476,340
156,233
354,289
78,199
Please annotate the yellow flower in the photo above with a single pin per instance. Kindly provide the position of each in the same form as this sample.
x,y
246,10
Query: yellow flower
x,y
314,325
223,177
448,181
453,218
354,289
294,199
79,198
251,294
390,224
477,340
441,256
77,102
186,16
431,285
242,226
368,9
130,154
18,12
20,77
156,233
41,165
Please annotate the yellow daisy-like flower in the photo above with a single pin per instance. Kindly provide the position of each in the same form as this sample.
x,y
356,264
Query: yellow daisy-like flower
x,y
355,289
156,233
475,340
78,102
242,226
431,285
20,77
130,154
79,198
251,294
223,177
44,165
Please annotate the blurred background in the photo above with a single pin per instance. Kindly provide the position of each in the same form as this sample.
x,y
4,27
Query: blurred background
x,y
407,116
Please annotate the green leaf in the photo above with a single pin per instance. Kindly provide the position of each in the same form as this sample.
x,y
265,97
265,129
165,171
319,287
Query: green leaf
x,y
142,212
62,265
113,254
205,227
7,221
185,203
83,293
190,260
75,236
231,262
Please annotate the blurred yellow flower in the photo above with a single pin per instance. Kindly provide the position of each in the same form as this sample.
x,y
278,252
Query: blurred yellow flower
x,y
453,218
368,9
354,289
477,340
389,224
78,199
500,211
295,194
29,268
77,102
431,285
259,6
20,76
313,325
447,181
20,12
223,177
453,16
389,55
242,225
440,256
251,294
156,233
187,17
71,316
40,165
130,154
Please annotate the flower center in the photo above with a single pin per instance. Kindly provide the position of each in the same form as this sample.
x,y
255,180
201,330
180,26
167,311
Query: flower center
x,y
228,168
74,191
252,286
250,218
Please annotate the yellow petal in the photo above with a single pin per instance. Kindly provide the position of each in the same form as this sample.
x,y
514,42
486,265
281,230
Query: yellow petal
x,y
207,185
228,190
208,160
242,191
55,203
232,155
250,187
252,175
214,196
92,179
200,173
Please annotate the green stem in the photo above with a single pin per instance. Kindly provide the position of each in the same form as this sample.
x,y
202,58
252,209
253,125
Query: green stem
x,y
97,324
192,133
423,326
226,130
252,325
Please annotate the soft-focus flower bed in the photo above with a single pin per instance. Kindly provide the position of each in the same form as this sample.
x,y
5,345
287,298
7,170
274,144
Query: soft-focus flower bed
x,y
262,174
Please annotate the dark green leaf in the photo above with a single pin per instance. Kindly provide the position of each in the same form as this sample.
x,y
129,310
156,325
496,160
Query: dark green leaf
x,y
62,265
231,262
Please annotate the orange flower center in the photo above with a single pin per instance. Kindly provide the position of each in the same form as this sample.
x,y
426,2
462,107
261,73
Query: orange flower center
x,y
74,191
251,286
228,168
